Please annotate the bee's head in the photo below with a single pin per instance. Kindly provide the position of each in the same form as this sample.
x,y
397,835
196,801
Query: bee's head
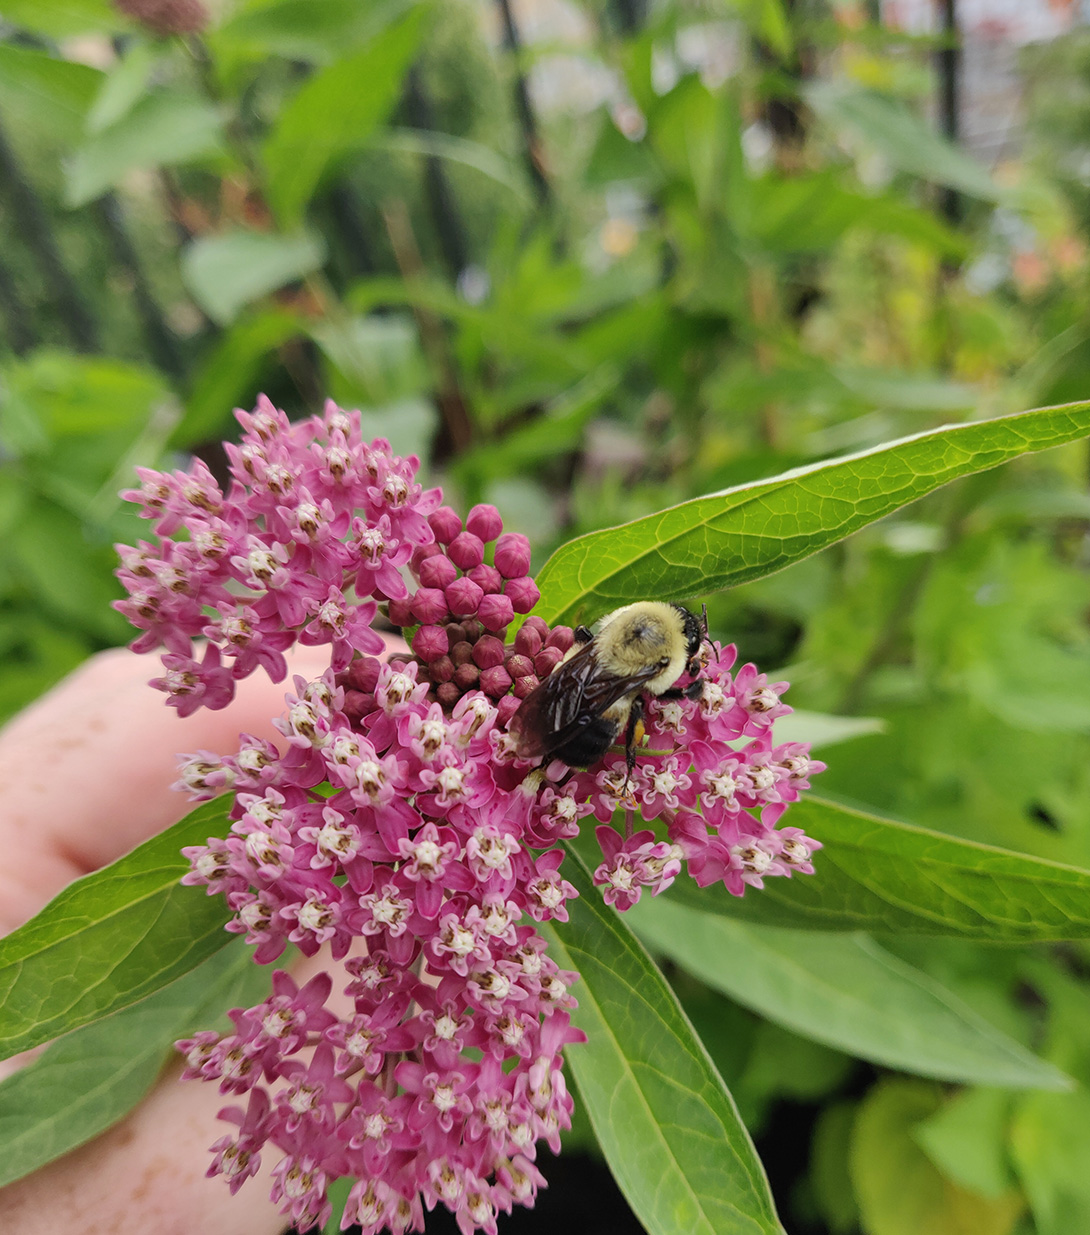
x,y
695,631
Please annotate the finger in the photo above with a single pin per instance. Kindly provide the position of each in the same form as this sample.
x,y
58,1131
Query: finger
x,y
86,771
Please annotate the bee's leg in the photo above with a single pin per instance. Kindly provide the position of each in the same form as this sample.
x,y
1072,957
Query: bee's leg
x,y
635,721
583,634
693,691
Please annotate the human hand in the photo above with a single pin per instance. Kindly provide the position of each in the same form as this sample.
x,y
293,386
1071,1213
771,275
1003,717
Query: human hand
x,y
85,776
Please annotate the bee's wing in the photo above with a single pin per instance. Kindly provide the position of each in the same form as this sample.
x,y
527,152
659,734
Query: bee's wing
x,y
577,691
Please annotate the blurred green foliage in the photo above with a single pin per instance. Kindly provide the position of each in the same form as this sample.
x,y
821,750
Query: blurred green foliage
x,y
651,252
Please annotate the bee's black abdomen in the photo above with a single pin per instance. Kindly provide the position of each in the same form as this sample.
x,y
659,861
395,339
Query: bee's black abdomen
x,y
589,744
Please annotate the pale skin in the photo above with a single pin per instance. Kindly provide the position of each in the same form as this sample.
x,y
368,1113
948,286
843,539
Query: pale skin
x,y
85,776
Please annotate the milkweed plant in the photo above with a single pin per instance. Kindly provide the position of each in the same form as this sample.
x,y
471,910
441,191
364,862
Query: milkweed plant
x,y
396,823
471,902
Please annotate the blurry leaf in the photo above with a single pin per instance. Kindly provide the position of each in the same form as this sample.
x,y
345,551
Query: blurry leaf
x,y
822,730
557,429
70,577
899,1190
379,356
163,129
122,87
768,21
1048,1131
43,94
844,991
336,112
664,1119
338,1197
225,273
407,424
457,150
46,655
110,938
89,1079
915,392
829,1175
901,137
72,419
298,29
966,1140
877,875
1003,623
727,538
61,18
227,376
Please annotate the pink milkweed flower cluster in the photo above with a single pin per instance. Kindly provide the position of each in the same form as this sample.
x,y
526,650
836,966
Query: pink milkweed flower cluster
x,y
395,825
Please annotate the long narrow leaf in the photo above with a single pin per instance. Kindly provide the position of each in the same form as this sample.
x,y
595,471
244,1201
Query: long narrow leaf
x,y
844,991
727,538
109,939
876,874
662,1115
91,1078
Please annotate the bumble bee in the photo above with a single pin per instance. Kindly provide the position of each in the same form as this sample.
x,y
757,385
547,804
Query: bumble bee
x,y
597,691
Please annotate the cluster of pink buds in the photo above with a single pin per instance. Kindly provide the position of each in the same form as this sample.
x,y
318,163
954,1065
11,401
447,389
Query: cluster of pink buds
x,y
396,826
464,606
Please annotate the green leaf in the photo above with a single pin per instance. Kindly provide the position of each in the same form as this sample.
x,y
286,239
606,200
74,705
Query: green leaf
x,y
665,1121
225,273
109,939
900,1192
821,729
844,991
457,150
966,1140
336,112
122,87
43,94
90,1078
61,18
297,29
878,875
901,137
163,129
727,538
228,375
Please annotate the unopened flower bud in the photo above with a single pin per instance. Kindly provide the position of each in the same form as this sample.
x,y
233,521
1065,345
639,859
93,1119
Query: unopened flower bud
x,y
437,571
362,674
524,685
506,708
400,612
496,612
421,554
448,694
463,597
445,524
429,606
546,661
512,557
523,593
441,669
456,633
465,676
466,551
487,578
430,642
474,629
519,666
484,521
461,653
488,652
561,637
167,16
529,641
496,682
358,703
